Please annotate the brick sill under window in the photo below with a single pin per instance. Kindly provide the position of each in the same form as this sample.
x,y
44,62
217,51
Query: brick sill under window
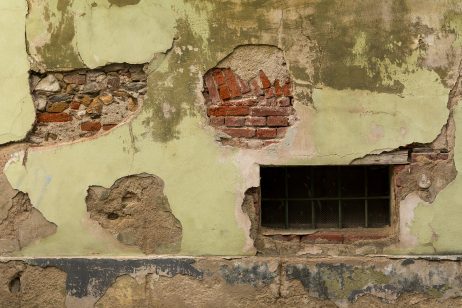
x,y
337,236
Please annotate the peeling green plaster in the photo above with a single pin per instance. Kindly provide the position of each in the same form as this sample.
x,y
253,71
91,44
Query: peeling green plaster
x,y
17,110
387,34
349,123
198,183
108,33
437,225
369,99
50,32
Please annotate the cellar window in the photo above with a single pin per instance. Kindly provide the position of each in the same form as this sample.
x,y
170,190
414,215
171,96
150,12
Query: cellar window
x,y
324,197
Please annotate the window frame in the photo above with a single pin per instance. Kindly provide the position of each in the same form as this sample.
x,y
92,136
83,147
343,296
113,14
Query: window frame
x,y
367,232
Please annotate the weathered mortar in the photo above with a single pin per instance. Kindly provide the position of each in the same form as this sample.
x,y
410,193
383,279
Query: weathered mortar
x,y
85,103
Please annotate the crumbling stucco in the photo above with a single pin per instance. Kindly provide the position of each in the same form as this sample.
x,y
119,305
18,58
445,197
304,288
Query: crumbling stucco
x,y
351,97
22,285
244,282
22,225
136,211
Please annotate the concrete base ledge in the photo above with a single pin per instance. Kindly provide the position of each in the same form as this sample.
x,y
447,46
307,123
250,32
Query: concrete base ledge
x,y
230,281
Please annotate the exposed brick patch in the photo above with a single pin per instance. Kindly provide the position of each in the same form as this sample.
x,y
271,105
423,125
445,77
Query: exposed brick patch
x,y
90,126
266,133
278,121
240,132
53,117
81,103
248,111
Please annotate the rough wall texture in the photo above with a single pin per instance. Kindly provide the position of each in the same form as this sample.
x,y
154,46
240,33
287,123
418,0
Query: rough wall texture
x,y
23,285
22,225
241,282
83,103
137,212
356,78
364,78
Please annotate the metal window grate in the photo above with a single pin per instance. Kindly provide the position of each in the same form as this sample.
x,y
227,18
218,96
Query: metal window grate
x,y
314,197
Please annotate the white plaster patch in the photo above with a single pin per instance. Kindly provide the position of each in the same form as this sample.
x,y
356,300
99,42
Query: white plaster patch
x,y
406,218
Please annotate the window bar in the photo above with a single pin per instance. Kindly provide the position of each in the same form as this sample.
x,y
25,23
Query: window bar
x,y
286,202
311,195
339,194
366,204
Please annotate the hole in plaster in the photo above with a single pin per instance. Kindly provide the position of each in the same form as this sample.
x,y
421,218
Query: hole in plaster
x,y
112,216
145,221
15,283
83,103
248,97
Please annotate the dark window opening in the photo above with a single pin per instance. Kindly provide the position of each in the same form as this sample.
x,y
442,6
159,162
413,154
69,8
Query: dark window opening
x,y
316,197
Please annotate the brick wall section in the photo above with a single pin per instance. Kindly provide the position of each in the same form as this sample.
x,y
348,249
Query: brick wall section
x,y
252,113
83,103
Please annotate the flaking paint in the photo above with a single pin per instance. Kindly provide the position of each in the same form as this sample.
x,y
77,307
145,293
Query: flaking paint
x,y
204,181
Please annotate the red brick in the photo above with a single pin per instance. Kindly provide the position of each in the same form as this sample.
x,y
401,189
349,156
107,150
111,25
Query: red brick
x,y
231,81
266,133
255,121
234,121
218,77
212,89
109,126
240,132
243,85
53,117
277,88
281,132
75,105
90,126
269,93
217,121
270,111
228,111
286,89
264,80
224,92
284,101
255,86
277,121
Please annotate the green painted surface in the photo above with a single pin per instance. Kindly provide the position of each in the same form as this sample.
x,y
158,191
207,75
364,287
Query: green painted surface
x,y
17,110
50,32
374,92
437,226
108,33
199,183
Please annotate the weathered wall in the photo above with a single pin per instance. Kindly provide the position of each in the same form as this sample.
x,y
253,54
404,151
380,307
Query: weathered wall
x,y
361,78
240,282
133,128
